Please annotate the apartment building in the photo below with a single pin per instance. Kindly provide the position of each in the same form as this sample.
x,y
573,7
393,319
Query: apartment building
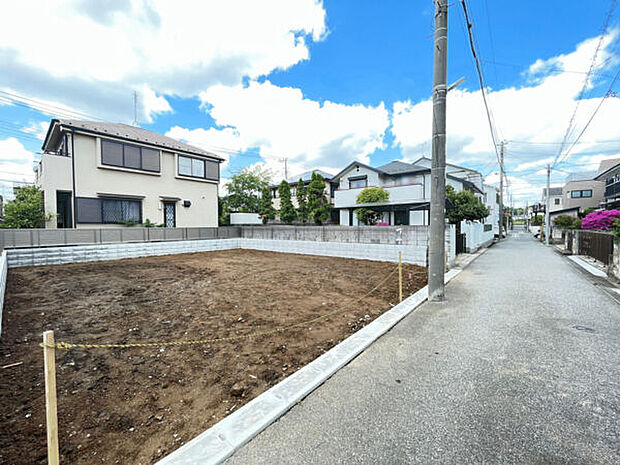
x,y
96,174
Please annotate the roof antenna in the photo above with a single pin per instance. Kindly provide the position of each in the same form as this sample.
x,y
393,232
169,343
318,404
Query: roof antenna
x,y
135,109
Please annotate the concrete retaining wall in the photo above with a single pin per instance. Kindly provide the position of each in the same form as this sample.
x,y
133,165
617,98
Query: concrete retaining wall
x,y
414,254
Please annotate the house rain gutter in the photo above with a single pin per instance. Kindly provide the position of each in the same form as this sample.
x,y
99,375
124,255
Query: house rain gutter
x,y
74,196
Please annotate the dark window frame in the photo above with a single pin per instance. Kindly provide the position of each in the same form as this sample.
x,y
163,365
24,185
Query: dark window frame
x,y
205,161
123,164
586,191
358,178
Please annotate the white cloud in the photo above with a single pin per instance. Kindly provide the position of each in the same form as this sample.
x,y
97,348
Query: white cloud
x,y
533,115
16,164
281,122
38,129
93,55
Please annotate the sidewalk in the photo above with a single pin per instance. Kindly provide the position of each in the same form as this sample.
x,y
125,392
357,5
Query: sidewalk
x,y
520,365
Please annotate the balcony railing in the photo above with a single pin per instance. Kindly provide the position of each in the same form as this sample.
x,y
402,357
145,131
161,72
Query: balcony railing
x,y
408,193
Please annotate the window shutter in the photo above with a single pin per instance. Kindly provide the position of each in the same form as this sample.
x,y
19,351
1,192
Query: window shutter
x,y
111,153
88,210
213,170
150,160
132,157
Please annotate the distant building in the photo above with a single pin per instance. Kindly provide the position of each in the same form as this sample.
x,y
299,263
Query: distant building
x,y
609,175
556,198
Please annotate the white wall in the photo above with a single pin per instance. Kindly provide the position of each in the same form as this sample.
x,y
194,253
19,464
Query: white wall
x,y
245,218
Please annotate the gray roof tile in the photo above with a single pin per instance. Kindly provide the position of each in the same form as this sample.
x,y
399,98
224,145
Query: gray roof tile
x,y
136,134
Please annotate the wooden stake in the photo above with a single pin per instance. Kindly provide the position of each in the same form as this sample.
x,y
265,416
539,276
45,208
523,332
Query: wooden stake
x,y
400,276
49,362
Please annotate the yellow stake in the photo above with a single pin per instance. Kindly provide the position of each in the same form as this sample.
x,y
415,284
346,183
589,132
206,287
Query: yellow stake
x,y
400,276
49,362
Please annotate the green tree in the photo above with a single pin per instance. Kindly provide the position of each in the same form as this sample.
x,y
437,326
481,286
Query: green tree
x,y
302,206
245,189
287,210
223,211
26,210
318,207
266,210
371,195
466,206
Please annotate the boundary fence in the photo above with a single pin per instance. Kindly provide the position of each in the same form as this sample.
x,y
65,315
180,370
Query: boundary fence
x,y
26,238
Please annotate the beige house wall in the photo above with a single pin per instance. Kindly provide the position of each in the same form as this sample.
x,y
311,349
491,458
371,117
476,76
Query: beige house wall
x,y
598,194
93,179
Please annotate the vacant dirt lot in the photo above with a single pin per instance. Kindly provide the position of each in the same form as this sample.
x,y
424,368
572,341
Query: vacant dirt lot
x,y
134,406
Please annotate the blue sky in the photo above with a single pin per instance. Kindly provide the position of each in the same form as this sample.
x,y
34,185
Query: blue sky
x,y
321,84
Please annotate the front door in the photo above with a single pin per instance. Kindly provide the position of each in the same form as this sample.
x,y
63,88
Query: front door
x,y
170,214
63,210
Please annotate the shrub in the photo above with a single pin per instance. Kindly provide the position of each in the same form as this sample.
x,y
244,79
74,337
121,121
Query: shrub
x,y
601,220
266,210
371,195
567,222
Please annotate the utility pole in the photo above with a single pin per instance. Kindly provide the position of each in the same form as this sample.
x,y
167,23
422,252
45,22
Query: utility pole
x,y
285,160
501,189
547,206
437,251
527,217
135,108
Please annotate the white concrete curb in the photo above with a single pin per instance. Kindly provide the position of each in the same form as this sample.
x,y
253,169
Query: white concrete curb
x,y
219,442
586,266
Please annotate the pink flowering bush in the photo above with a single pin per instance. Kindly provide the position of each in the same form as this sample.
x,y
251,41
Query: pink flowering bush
x,y
601,220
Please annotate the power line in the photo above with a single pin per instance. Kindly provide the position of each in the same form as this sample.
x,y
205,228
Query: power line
x,y
571,122
480,78
48,107
600,104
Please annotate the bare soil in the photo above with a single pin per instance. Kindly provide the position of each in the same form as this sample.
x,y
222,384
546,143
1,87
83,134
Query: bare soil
x,y
134,406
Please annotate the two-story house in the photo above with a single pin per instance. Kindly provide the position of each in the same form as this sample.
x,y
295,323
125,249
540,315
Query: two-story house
x,y
582,191
96,174
556,197
305,177
408,185
609,175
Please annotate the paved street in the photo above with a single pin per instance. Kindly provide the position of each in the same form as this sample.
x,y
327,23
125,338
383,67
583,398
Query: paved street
x,y
520,365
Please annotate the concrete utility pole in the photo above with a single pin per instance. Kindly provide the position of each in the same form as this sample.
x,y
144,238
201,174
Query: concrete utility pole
x,y
547,206
437,251
501,189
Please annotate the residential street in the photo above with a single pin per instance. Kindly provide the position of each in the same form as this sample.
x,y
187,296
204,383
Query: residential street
x,y
520,365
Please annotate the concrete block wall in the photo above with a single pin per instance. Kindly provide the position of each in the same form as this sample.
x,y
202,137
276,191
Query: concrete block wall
x,y
410,235
94,253
380,252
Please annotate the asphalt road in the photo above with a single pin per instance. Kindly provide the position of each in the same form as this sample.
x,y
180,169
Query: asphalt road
x,y
520,365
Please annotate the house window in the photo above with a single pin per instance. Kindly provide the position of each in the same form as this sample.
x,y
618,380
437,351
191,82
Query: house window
x,y
557,201
579,194
120,210
198,168
129,156
108,210
358,182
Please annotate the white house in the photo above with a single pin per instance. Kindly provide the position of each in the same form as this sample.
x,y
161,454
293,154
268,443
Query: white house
x,y
408,185
96,174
